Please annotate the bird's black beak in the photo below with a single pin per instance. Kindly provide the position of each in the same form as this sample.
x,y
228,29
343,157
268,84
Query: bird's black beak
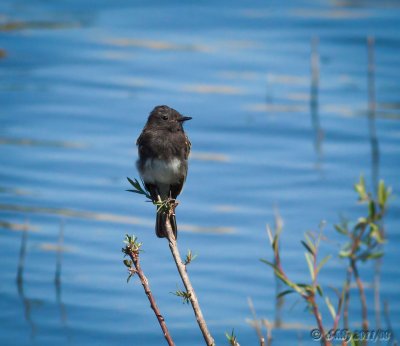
x,y
182,119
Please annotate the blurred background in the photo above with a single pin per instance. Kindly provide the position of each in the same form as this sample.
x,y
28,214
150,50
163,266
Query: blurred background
x,y
283,119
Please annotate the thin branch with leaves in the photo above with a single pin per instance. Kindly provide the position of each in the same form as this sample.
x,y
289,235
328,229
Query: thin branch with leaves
x,y
364,241
232,338
132,250
307,291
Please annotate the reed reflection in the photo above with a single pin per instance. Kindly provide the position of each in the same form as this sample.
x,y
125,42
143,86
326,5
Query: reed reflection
x,y
58,283
26,302
314,106
375,159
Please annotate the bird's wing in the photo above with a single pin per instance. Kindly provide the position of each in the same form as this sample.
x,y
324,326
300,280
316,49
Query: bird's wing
x,y
142,142
188,146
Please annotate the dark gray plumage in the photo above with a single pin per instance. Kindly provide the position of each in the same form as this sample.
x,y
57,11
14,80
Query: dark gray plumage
x,y
164,149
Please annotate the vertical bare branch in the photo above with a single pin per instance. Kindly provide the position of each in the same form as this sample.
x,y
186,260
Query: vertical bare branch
x,y
268,325
257,322
188,285
363,299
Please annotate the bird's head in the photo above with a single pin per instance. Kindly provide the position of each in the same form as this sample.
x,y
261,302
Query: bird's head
x,y
164,117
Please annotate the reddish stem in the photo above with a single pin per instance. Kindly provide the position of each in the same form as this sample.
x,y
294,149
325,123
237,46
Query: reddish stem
x,y
145,283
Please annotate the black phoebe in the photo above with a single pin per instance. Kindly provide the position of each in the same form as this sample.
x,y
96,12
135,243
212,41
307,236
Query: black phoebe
x,y
163,149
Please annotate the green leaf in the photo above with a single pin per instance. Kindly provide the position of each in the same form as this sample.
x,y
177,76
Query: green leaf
x,y
341,229
382,194
361,190
184,295
273,265
310,265
323,262
135,191
283,278
344,253
309,239
371,209
375,255
330,307
232,338
302,285
376,233
307,247
127,263
319,289
133,183
270,236
361,222
284,293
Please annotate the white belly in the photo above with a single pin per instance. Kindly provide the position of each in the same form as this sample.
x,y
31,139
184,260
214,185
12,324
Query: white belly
x,y
161,172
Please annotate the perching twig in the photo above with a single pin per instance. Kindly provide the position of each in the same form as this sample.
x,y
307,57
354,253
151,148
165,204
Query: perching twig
x,y
132,250
168,206
185,278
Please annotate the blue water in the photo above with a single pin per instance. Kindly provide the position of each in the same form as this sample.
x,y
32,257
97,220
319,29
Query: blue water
x,y
77,81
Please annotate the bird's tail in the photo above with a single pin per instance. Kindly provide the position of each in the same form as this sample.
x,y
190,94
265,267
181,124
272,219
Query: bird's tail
x,y
160,225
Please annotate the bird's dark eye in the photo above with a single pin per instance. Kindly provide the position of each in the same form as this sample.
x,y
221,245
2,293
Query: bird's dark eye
x,y
165,117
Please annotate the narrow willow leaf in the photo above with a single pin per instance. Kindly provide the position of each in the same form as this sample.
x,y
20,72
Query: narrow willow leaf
x,y
310,265
375,255
323,262
135,191
371,209
270,236
287,282
330,307
310,242
381,194
284,293
376,233
341,229
360,189
307,247
319,290
273,265
302,285
131,182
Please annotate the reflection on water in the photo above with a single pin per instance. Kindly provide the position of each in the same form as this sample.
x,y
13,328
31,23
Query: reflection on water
x,y
34,143
26,302
318,133
155,45
58,283
372,114
102,217
33,25
266,107
213,89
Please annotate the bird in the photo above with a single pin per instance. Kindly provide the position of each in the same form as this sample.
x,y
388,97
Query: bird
x,y
163,152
